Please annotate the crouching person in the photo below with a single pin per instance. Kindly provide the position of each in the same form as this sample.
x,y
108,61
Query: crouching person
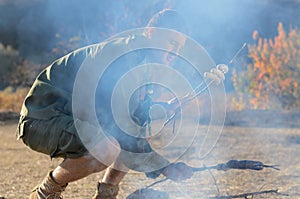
x,y
47,125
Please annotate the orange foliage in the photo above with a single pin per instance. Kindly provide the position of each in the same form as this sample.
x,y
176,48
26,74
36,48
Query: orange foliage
x,y
272,79
11,100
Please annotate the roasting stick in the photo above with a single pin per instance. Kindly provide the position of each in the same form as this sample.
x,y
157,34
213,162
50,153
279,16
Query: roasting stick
x,y
206,87
197,91
231,164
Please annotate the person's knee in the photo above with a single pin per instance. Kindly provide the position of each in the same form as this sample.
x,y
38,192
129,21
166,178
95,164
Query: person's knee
x,y
106,151
112,150
93,164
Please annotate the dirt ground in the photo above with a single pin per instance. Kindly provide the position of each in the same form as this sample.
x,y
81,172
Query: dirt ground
x,y
22,169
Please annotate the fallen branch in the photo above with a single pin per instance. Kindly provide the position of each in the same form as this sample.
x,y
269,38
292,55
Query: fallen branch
x,y
156,182
148,194
246,195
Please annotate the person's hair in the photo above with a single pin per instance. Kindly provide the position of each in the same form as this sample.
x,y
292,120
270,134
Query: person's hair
x,y
168,18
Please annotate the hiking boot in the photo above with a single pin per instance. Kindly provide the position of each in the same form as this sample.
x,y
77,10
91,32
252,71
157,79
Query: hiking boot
x,y
49,189
106,191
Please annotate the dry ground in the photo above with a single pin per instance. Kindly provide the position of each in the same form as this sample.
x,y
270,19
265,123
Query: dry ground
x,y
21,169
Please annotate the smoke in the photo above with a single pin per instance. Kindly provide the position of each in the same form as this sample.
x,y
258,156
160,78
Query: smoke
x,y
223,26
44,30
57,24
36,27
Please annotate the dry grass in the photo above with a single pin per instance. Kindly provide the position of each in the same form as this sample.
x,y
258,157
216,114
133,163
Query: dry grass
x,y
21,169
11,100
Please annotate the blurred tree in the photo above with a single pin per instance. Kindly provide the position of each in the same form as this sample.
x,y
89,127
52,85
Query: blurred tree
x,y
15,71
33,33
11,99
53,28
272,79
43,30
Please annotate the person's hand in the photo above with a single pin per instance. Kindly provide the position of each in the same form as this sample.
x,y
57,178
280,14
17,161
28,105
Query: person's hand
x,y
217,74
173,104
178,171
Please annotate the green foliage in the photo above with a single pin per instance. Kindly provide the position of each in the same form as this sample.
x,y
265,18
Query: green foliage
x,y
272,79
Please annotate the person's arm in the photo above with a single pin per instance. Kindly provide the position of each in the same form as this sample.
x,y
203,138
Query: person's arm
x,y
175,171
153,165
178,171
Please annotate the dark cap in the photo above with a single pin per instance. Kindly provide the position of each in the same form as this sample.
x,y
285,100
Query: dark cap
x,y
168,18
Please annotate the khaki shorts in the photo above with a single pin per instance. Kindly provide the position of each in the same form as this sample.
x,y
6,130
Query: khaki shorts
x,y
56,137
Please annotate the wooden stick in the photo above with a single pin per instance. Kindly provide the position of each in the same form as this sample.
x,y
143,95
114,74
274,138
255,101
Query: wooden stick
x,y
231,164
245,195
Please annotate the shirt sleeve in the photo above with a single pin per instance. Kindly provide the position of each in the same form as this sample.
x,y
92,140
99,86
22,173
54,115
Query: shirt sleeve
x,y
152,163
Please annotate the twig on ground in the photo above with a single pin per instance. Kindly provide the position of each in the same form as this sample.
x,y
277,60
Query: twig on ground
x,y
215,181
246,195
157,182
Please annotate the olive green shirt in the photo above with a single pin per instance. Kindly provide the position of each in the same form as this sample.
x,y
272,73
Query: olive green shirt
x,y
51,96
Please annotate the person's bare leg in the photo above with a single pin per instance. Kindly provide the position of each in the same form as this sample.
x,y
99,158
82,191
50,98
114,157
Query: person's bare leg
x,y
113,176
115,173
71,170
74,169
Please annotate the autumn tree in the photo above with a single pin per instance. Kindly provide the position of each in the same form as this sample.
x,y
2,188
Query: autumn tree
x,y
271,80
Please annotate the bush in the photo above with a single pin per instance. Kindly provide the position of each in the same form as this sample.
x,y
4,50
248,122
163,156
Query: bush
x,y
16,71
271,80
12,100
